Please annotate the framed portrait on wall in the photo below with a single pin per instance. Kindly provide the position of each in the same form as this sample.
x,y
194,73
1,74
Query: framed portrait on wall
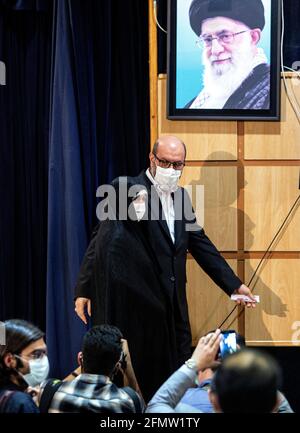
x,y
224,59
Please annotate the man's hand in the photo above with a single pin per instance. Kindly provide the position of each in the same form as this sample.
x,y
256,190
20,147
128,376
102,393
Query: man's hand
x,y
125,348
207,349
35,394
80,305
244,290
127,365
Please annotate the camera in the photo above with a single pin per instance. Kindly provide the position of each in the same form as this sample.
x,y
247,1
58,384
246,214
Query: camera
x,y
228,343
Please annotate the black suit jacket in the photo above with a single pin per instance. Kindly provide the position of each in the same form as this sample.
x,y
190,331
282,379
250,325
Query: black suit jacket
x,y
189,237
170,257
136,278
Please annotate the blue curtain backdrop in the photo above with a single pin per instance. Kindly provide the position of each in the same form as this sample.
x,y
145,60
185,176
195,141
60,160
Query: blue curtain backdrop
x,y
98,130
25,48
67,233
73,115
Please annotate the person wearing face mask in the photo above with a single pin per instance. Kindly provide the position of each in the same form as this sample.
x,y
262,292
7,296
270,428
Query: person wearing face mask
x,y
23,366
133,274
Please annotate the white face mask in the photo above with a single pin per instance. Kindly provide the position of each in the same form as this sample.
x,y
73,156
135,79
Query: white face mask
x,y
140,209
167,179
38,371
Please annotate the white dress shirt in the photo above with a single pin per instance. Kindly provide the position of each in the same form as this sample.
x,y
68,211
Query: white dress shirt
x,y
167,205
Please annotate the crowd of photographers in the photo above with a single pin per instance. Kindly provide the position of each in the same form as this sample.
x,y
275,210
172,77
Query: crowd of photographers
x,y
245,381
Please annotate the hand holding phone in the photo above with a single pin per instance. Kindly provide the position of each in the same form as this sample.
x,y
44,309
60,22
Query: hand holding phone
x,y
228,343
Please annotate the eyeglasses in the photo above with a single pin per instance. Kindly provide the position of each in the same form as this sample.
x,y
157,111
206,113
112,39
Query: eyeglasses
x,y
223,38
177,165
36,354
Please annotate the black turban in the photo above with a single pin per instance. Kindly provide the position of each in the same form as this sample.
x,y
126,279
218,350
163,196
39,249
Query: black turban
x,y
249,12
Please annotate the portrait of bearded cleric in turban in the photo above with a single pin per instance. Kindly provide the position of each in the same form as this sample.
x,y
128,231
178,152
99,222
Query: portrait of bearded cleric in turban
x,y
231,46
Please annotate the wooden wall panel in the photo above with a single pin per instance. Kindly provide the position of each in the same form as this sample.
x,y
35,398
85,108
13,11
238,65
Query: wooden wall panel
x,y
274,320
220,203
153,72
205,140
269,194
208,304
275,140
263,160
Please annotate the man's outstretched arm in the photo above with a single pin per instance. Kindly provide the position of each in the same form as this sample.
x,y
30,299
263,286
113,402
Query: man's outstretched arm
x,y
211,261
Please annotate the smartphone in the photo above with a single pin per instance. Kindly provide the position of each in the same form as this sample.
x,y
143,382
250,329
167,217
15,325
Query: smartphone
x,y
228,343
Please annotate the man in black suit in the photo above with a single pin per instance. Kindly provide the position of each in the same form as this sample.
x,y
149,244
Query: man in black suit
x,y
134,272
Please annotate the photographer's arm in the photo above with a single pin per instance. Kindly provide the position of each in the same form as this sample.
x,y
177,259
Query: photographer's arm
x,y
128,371
171,392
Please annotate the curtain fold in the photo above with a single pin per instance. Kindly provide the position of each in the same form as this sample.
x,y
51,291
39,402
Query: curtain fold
x,y
66,225
90,58
99,129
25,48
27,5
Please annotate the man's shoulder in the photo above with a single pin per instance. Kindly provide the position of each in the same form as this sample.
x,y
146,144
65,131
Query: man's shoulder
x,y
20,402
136,400
95,396
193,393
254,92
130,180
133,179
262,69
260,75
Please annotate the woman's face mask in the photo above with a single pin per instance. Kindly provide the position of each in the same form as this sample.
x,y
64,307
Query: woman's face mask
x,y
140,209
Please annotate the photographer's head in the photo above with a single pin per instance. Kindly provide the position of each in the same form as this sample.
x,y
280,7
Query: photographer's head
x,y
102,351
23,360
246,382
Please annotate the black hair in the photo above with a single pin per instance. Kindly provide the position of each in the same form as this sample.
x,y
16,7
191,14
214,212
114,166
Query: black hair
x,y
247,382
19,334
251,13
101,349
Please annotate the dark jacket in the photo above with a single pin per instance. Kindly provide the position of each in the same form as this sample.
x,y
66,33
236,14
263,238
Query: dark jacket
x,y
12,400
136,276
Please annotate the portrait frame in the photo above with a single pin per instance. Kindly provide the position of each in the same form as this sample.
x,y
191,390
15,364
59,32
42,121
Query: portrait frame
x,y
184,78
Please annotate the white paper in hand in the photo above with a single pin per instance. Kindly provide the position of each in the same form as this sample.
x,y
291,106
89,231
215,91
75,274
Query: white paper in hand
x,y
244,298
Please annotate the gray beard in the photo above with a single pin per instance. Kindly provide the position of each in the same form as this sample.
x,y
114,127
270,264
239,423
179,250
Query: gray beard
x,y
221,81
